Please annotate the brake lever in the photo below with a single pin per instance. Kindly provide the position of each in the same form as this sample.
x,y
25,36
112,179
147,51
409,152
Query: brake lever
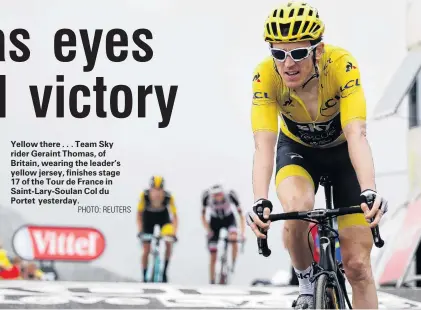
x,y
262,244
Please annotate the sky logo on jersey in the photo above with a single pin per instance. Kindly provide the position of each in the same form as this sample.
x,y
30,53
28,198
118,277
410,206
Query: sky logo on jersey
x,y
316,127
58,243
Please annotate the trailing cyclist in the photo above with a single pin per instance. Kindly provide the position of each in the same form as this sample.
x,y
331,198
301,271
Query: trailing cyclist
x,y
316,91
156,207
220,204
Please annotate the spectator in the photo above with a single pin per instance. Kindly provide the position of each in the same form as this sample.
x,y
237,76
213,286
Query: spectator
x,y
7,270
32,272
18,263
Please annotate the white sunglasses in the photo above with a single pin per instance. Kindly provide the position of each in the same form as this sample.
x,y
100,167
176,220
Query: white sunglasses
x,y
296,54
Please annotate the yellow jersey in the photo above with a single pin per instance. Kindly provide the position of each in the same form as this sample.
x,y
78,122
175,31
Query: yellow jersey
x,y
341,99
168,203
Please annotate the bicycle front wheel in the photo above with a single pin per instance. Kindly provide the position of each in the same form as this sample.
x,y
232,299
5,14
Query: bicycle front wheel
x,y
156,270
223,275
327,295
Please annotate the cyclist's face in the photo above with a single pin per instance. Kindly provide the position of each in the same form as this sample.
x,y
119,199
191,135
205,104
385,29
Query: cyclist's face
x,y
157,194
295,72
219,197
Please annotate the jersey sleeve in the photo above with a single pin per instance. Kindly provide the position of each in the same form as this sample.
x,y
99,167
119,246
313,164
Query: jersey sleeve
x,y
205,199
264,109
234,199
352,98
141,202
172,206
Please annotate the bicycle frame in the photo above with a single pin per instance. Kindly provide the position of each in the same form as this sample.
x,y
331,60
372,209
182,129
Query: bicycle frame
x,y
223,276
328,266
327,248
154,272
327,238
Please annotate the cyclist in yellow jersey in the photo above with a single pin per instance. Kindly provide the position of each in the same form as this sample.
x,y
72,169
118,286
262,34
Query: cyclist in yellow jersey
x,y
156,207
315,91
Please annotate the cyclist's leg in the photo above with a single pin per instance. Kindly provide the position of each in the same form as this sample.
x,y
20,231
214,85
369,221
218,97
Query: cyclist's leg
x,y
148,225
296,184
145,255
232,235
167,229
215,225
355,236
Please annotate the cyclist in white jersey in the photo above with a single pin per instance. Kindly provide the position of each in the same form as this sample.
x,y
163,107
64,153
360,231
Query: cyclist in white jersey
x,y
219,202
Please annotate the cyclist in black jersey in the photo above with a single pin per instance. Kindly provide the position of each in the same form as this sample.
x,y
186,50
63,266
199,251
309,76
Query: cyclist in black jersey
x,y
156,207
219,203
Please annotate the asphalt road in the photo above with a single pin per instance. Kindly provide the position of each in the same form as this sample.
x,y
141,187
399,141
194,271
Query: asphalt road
x,y
103,295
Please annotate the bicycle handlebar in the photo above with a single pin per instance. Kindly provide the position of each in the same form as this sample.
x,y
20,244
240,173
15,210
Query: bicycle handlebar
x,y
150,237
235,241
317,214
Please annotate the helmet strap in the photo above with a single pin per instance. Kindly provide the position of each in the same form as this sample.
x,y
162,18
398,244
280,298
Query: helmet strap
x,y
316,70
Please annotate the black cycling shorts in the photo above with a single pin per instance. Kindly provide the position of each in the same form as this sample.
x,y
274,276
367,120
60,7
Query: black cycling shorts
x,y
293,158
161,218
216,224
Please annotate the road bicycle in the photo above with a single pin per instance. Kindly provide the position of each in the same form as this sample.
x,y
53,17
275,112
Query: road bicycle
x,y
329,276
225,268
154,270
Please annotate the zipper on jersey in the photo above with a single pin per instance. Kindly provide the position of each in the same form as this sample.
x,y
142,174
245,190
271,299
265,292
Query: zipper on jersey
x,y
301,102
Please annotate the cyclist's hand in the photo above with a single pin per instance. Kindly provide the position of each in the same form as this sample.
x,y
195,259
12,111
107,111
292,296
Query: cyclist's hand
x,y
209,233
379,206
253,220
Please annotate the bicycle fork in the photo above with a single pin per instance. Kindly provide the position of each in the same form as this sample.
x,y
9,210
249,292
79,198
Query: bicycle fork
x,y
224,266
154,272
329,266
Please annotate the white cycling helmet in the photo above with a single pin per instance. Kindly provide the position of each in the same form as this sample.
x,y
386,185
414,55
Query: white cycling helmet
x,y
216,189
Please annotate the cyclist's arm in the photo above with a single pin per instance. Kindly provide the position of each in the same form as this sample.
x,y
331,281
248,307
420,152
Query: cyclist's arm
x,y
242,221
353,120
360,154
234,199
264,143
264,120
140,221
140,209
205,198
174,213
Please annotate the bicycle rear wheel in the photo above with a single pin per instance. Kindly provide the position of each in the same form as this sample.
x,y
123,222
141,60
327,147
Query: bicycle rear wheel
x,y
327,295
